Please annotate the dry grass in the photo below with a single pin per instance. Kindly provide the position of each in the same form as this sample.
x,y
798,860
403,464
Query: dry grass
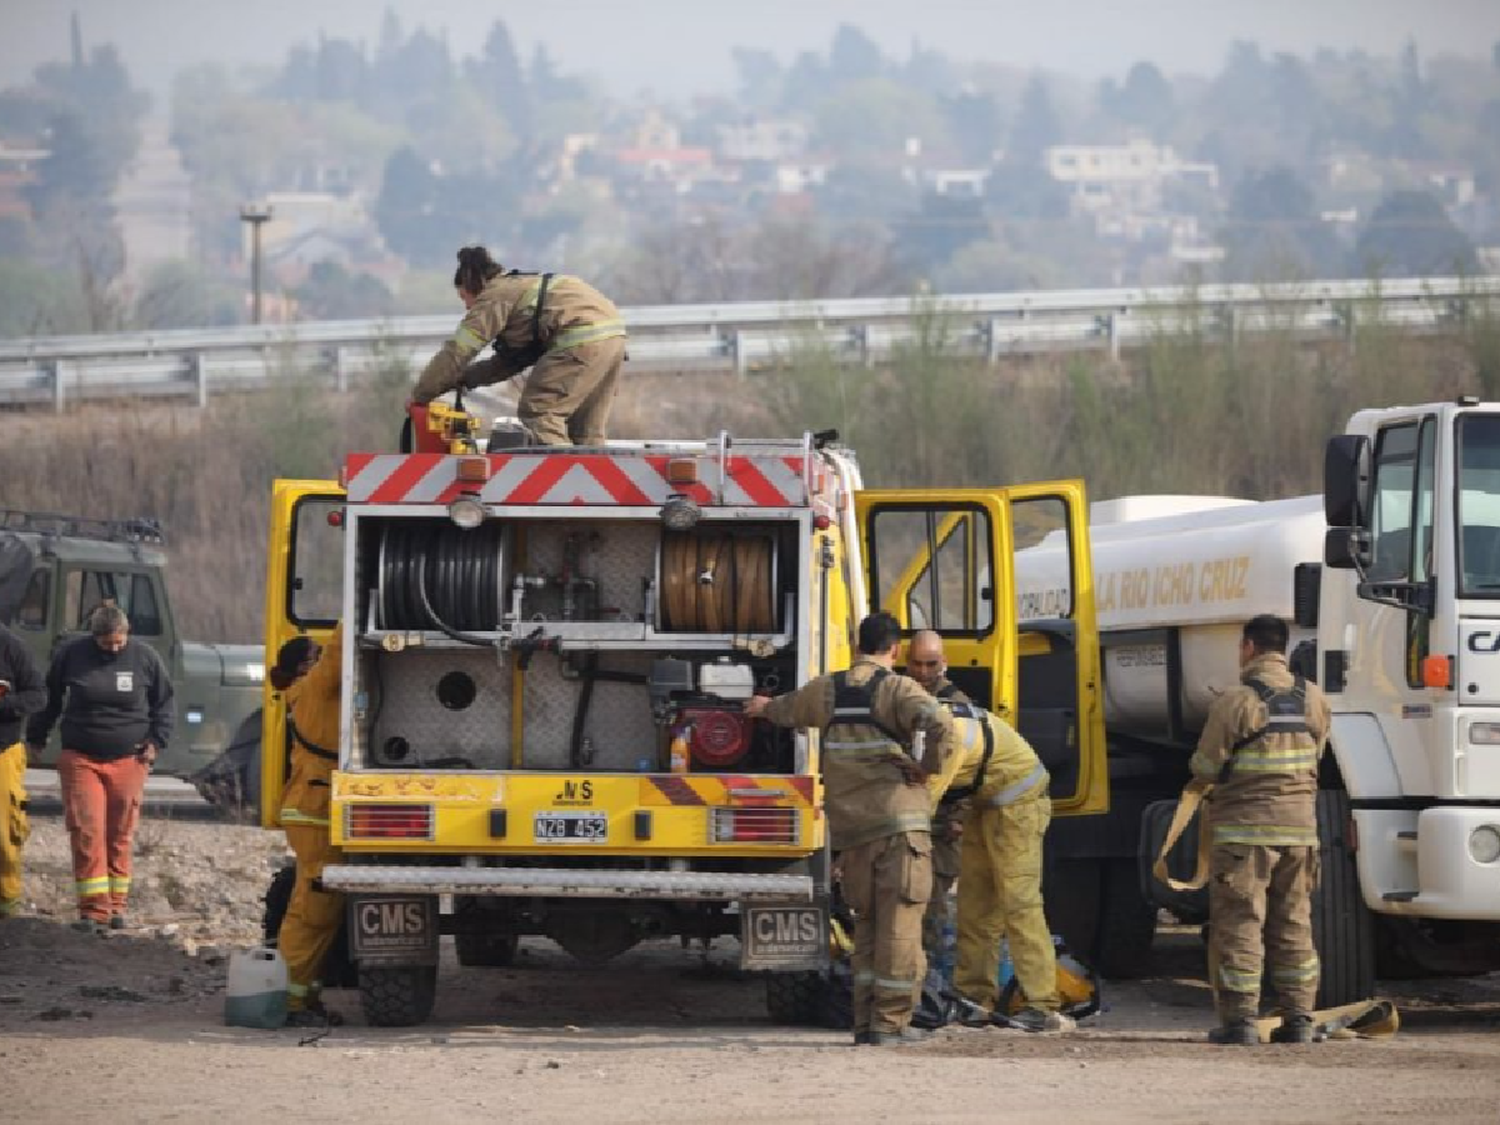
x,y
1181,415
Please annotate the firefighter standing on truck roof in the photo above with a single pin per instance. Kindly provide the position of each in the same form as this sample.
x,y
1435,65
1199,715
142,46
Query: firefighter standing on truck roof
x,y
926,663
879,816
1259,751
311,679
1000,872
567,329
22,691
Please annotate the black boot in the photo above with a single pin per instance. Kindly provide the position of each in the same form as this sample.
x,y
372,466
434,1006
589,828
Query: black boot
x,y
1296,1027
1235,1033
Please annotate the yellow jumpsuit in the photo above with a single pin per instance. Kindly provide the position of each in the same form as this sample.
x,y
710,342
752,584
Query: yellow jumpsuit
x,y
571,388
312,917
14,828
1000,869
25,694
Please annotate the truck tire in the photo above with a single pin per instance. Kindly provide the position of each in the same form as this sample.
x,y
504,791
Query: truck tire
x,y
795,999
1343,927
481,949
397,995
1095,904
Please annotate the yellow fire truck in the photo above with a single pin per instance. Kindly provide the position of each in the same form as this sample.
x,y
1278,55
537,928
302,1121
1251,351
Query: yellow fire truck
x,y
546,658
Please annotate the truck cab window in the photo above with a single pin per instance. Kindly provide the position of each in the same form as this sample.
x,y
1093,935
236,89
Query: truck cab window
x,y
933,567
1395,475
87,590
1479,505
317,549
31,613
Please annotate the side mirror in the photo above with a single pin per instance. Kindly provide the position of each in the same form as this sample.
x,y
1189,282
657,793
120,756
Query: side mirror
x,y
1345,548
1346,470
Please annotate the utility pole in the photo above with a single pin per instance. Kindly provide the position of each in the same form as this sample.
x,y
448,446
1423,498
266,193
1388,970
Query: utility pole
x,y
257,215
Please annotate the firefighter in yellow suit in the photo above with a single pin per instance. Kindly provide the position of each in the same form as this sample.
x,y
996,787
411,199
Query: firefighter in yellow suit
x,y
310,679
1000,870
565,330
23,691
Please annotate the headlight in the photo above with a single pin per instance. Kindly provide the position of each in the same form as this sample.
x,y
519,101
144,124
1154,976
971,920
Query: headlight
x,y
1484,734
466,511
1484,843
680,513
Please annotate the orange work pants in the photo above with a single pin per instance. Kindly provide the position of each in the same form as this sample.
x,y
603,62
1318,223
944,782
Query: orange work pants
x,y
103,804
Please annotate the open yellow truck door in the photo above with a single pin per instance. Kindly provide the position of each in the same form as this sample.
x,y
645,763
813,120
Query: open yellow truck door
x,y
304,597
948,559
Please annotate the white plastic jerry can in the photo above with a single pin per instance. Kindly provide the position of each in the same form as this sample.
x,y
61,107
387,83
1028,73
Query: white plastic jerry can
x,y
257,992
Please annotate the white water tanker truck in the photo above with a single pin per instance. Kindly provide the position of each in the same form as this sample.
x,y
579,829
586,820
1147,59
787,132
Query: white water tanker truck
x,y
1391,580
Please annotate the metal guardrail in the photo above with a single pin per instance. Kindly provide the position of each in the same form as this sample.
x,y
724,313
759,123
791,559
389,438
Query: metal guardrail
x,y
738,337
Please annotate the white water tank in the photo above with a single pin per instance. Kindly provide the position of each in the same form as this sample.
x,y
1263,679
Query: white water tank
x,y
1202,565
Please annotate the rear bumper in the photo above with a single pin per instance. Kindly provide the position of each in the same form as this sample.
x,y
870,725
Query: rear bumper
x,y
545,882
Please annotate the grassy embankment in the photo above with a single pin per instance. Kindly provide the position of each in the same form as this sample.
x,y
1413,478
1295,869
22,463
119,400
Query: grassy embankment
x,y
1187,412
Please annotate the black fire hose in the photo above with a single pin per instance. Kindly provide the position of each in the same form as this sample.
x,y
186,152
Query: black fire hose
x,y
438,576
593,674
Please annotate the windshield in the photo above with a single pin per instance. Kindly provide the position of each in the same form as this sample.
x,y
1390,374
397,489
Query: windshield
x,y
1479,505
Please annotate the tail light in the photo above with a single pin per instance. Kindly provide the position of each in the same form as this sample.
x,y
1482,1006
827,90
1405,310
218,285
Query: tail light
x,y
756,826
719,738
388,822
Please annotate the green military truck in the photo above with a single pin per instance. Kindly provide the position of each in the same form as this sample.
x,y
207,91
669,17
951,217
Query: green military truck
x,y
54,571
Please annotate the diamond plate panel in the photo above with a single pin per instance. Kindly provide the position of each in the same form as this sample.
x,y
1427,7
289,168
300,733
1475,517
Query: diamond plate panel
x,y
619,721
410,709
621,559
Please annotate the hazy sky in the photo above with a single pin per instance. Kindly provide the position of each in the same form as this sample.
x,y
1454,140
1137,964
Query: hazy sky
x,y
676,47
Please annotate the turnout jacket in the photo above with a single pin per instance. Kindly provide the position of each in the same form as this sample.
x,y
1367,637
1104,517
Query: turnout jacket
x,y
506,313
1264,767
110,702
994,765
867,795
28,690
313,709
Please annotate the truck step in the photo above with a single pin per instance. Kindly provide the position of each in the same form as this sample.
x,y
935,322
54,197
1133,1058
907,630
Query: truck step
x,y
568,882
1400,896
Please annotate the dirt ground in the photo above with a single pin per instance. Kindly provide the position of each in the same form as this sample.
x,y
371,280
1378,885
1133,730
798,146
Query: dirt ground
x,y
129,1027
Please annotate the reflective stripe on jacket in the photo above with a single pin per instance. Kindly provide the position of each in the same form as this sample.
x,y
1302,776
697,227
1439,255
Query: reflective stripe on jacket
x,y
1012,772
867,796
1261,751
505,314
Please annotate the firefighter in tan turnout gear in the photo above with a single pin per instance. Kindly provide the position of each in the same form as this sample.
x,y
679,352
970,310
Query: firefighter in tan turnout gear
x,y
1000,871
879,815
927,664
565,330
1259,751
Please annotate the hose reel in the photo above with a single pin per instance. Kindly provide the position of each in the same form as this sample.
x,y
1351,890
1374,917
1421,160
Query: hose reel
x,y
433,575
718,582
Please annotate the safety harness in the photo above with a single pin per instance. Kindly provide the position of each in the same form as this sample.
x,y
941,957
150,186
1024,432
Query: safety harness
x,y
1286,713
310,747
976,713
524,357
853,704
